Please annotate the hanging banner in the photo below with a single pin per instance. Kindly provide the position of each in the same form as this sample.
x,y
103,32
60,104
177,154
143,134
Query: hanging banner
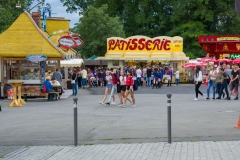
x,y
36,58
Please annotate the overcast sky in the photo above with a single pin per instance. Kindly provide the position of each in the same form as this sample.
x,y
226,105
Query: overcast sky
x,y
60,10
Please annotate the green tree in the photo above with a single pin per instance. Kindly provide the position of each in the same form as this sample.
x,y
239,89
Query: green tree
x,y
95,27
9,12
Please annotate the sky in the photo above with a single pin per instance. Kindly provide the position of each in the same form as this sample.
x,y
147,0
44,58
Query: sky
x,y
60,10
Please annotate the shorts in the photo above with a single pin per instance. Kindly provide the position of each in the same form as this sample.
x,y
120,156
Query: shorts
x,y
123,88
100,80
109,86
127,87
118,88
234,85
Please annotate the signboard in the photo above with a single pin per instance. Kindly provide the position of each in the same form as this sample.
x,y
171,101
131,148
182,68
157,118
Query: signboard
x,y
78,41
36,58
67,42
234,56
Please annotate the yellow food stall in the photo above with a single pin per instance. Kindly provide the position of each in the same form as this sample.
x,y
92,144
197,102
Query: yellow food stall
x,y
28,53
142,51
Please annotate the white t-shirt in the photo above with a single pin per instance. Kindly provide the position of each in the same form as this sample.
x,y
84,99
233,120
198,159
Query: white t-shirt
x,y
199,77
139,73
177,74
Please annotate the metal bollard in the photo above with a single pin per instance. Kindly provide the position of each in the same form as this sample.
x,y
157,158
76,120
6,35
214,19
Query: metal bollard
x,y
75,121
169,118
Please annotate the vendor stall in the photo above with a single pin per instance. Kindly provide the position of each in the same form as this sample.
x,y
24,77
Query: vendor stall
x,y
65,64
142,51
28,53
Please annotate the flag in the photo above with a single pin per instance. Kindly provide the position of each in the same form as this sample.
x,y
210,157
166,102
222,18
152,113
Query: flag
x,y
237,6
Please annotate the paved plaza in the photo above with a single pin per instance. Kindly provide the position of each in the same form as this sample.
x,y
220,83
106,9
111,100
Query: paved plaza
x,y
40,125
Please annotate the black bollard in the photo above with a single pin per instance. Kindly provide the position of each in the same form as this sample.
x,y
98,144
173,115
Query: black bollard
x,y
169,118
75,121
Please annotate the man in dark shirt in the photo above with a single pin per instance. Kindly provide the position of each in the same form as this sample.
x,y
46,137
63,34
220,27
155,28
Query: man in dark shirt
x,y
234,81
224,83
149,74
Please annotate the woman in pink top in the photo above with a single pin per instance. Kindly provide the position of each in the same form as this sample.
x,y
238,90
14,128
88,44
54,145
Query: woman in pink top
x,y
122,80
108,86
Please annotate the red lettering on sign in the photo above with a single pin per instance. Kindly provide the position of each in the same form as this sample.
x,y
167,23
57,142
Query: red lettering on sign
x,y
134,44
123,42
167,45
111,44
156,43
141,44
148,45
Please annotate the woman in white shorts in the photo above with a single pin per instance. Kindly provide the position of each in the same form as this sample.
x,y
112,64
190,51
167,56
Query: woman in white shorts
x,y
108,87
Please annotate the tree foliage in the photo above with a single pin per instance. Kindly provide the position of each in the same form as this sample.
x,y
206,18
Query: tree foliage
x,y
9,12
95,27
186,18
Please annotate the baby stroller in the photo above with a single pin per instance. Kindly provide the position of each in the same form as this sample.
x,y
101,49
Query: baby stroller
x,y
94,82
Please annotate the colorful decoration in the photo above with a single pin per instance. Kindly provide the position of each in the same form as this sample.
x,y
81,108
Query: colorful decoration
x,y
45,9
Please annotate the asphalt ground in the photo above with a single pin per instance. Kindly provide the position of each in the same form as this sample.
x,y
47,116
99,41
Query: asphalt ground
x,y
51,123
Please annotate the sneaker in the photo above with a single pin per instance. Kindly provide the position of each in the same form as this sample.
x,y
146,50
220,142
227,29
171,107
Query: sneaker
x,y
213,99
108,103
113,103
101,102
120,105
123,106
236,98
228,98
195,99
134,105
207,99
218,98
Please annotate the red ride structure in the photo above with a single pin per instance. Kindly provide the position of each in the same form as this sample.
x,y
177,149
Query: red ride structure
x,y
216,46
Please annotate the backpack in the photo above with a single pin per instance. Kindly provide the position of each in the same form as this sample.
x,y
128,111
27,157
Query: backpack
x,y
43,88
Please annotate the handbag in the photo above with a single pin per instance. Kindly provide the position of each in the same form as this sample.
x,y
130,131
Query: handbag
x,y
73,81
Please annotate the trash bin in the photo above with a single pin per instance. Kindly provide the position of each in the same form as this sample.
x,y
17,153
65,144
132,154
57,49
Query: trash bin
x,y
69,85
10,92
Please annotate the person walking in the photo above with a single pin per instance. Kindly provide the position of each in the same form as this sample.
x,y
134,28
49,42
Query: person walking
x,y
198,82
225,82
149,74
79,78
211,83
114,87
169,76
144,76
155,78
234,81
129,89
219,82
177,77
139,76
74,83
122,80
108,87
100,77
84,78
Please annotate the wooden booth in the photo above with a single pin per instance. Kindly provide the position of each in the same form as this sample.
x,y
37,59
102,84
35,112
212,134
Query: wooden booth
x,y
29,54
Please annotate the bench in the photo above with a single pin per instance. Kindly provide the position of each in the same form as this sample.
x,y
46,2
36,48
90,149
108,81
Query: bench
x,y
31,91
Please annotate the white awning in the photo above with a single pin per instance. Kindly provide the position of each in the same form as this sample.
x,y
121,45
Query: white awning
x,y
71,63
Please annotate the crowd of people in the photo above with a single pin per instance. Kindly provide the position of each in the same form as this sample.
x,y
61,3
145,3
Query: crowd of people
x,y
123,81
220,78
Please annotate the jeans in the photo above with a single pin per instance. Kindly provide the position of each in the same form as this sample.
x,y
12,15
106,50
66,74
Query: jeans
x,y
79,81
114,89
224,86
148,81
219,85
50,96
177,82
75,88
139,80
84,82
211,84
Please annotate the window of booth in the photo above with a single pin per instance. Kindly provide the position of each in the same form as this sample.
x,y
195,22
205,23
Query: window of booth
x,y
26,70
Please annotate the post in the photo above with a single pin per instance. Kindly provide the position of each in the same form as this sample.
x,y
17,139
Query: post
x,y
75,121
169,118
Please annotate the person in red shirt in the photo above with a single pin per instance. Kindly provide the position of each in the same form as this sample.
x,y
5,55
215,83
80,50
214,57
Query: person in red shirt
x,y
129,89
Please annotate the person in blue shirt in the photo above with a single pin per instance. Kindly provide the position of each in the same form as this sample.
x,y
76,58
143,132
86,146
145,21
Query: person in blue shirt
x,y
160,79
155,78
49,87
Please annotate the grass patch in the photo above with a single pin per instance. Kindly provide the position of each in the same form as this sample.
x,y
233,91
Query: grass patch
x,y
90,139
209,136
2,156
88,144
197,136
107,139
27,146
